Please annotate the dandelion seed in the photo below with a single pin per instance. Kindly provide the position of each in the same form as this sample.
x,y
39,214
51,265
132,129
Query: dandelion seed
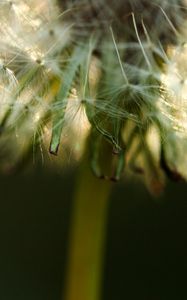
x,y
141,45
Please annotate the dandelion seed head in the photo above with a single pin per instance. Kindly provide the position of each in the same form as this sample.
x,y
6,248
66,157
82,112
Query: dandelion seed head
x,y
114,70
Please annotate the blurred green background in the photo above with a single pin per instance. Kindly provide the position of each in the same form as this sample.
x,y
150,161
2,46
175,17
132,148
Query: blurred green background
x,y
145,255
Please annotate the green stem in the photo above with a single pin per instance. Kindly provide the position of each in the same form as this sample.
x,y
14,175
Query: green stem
x,y
87,237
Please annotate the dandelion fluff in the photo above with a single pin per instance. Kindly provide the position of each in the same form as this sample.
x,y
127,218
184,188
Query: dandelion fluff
x,y
118,68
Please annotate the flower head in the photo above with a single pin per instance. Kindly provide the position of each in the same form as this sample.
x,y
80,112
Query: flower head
x,y
111,70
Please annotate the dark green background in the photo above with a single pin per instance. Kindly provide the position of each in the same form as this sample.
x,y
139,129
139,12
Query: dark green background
x,y
146,255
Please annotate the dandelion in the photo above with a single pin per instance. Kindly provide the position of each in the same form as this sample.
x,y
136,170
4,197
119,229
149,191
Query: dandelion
x,y
106,78
129,92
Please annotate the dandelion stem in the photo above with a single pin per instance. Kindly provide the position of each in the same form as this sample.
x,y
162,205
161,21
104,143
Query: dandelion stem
x,y
87,236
